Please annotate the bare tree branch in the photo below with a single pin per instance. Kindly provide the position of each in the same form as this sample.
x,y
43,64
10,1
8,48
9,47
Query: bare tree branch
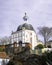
x,y
46,32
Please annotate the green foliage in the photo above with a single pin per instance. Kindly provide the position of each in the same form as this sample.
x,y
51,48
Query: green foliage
x,y
39,46
1,49
49,56
30,59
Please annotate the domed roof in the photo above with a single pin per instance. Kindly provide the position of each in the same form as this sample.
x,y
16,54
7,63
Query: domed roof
x,y
25,26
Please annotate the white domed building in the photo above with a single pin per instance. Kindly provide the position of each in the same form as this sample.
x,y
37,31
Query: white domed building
x,y
26,34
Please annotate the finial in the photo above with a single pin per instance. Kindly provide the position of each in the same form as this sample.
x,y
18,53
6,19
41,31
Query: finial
x,y
25,13
25,17
12,32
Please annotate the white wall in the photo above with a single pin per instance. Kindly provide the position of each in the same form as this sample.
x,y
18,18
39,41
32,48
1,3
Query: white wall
x,y
5,60
25,36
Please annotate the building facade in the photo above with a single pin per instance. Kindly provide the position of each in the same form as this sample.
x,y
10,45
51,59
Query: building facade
x,y
25,33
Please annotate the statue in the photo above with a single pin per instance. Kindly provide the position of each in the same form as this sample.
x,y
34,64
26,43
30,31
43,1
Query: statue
x,y
25,17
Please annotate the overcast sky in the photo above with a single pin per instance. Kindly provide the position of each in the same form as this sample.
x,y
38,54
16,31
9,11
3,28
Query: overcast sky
x,y
12,12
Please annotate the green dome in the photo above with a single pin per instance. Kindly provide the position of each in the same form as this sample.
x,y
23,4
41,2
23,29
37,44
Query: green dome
x,y
25,26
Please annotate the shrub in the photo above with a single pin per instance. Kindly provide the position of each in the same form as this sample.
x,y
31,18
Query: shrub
x,y
39,46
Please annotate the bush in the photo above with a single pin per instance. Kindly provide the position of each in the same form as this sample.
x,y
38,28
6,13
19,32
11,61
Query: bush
x,y
1,49
39,46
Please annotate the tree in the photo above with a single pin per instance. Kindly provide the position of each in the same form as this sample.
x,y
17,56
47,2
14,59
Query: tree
x,y
40,46
46,32
5,40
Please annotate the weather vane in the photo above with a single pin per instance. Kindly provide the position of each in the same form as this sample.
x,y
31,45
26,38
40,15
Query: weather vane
x,y
25,17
